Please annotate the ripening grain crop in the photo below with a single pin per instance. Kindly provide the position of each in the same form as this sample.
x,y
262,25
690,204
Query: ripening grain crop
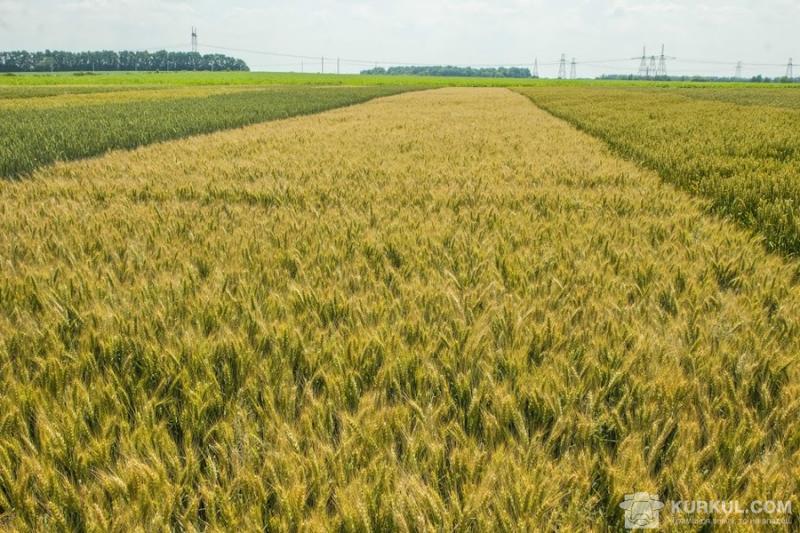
x,y
62,128
443,310
744,158
41,91
780,96
103,98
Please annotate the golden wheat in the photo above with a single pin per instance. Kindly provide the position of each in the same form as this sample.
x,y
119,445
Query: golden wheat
x,y
738,148
444,310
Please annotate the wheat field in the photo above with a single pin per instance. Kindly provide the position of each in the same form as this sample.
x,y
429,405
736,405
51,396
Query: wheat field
x,y
739,148
42,130
441,310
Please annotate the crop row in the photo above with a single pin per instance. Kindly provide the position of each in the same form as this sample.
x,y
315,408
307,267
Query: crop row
x,y
41,91
35,136
128,96
772,97
744,158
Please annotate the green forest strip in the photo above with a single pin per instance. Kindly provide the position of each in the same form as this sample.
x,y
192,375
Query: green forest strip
x,y
106,60
744,158
32,138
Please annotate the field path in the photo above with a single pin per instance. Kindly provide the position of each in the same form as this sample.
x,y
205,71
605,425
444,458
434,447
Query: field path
x,y
443,309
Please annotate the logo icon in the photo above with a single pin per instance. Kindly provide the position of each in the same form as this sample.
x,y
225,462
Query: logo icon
x,y
641,510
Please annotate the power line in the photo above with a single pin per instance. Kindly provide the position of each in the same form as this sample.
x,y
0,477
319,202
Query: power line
x,y
274,65
649,66
371,62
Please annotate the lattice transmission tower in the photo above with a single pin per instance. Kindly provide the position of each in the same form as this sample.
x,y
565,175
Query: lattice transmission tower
x,y
661,70
643,71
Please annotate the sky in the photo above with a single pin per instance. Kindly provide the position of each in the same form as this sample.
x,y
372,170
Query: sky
x,y
706,37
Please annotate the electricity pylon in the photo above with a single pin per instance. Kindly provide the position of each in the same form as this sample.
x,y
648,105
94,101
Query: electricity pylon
x,y
643,65
573,69
661,71
562,67
652,67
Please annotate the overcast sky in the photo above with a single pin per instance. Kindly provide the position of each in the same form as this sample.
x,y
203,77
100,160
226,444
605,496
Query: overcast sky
x,y
468,32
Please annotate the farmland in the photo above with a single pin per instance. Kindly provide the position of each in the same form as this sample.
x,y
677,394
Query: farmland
x,y
115,80
65,127
442,309
38,91
742,151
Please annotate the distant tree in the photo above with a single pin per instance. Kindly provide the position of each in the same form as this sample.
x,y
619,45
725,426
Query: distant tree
x,y
107,60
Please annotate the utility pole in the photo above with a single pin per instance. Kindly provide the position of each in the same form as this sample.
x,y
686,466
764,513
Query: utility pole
x,y
790,70
338,63
738,71
536,67
573,69
194,48
322,62
562,67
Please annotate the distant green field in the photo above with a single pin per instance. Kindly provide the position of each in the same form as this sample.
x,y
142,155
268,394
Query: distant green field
x,y
268,78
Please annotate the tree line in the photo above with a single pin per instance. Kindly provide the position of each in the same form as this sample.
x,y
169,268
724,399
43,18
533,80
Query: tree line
x,y
499,72
106,60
